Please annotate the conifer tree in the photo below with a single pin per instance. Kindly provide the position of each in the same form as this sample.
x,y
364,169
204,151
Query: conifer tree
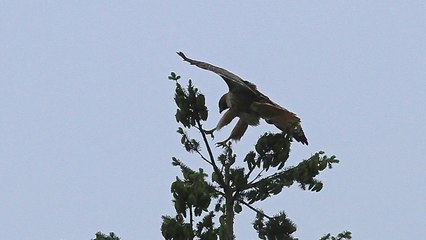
x,y
207,200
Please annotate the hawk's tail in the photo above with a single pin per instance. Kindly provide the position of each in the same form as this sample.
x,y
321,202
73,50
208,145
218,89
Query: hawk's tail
x,y
299,135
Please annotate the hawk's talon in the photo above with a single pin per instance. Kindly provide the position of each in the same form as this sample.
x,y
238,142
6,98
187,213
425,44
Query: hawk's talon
x,y
210,132
223,144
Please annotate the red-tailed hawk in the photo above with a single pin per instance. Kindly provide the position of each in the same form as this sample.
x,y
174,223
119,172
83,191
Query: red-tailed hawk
x,y
248,104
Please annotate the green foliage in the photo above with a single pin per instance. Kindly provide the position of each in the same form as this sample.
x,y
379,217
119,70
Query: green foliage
x,y
176,229
202,198
272,150
277,227
341,236
190,103
304,174
101,236
205,228
191,193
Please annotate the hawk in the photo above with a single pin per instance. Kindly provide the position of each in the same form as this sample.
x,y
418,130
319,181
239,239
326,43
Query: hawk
x,y
248,104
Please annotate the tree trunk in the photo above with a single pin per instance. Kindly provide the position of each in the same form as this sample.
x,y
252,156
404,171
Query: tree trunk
x,y
229,201
229,214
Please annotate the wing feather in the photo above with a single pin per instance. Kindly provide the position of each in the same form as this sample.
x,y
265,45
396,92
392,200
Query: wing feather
x,y
232,80
275,114
282,118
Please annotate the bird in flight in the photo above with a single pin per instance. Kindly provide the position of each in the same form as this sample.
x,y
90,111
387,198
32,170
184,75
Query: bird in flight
x,y
248,104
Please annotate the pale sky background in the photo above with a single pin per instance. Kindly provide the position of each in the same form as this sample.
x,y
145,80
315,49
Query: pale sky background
x,y
87,127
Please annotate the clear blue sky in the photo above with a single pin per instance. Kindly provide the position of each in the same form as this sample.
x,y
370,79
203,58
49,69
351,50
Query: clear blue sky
x,y
87,124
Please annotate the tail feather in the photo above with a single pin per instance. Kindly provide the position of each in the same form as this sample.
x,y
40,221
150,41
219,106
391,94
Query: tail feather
x,y
299,135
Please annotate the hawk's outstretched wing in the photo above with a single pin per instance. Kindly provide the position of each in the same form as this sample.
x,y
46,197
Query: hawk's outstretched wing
x,y
232,80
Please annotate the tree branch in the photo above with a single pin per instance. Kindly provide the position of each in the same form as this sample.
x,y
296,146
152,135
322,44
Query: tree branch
x,y
197,151
213,163
254,209
269,178
257,176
